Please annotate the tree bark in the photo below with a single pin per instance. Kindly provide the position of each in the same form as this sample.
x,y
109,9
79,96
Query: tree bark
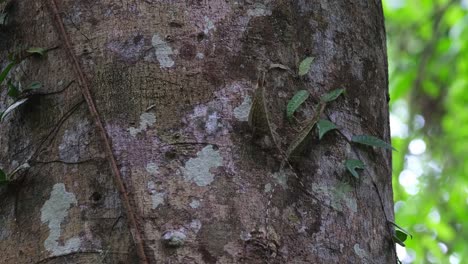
x,y
139,145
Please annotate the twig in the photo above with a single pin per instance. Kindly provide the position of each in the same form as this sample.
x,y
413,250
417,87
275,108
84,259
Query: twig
x,y
390,230
33,162
131,214
47,259
55,130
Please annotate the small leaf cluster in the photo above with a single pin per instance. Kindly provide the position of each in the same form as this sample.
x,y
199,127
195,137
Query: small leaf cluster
x,y
323,125
4,8
18,94
400,235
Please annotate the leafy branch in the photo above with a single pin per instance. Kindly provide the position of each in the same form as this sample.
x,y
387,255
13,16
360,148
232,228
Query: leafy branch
x,y
19,95
259,121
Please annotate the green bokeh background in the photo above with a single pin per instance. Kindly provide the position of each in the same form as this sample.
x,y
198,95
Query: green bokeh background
x,y
428,67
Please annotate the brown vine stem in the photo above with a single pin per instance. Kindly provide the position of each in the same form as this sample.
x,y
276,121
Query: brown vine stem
x,y
131,214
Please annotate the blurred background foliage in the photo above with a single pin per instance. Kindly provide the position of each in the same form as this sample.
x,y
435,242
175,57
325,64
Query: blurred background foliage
x,y
428,70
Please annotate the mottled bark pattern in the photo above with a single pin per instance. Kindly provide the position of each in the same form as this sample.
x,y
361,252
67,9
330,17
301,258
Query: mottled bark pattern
x,y
173,82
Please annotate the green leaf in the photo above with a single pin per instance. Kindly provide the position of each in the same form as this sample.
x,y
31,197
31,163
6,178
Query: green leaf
x,y
295,102
304,67
12,107
3,177
324,126
331,96
401,229
37,51
352,165
5,71
397,240
402,236
34,86
12,90
372,141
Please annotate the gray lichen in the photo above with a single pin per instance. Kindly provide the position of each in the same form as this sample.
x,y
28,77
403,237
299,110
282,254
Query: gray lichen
x,y
152,168
337,196
162,51
198,169
53,212
282,178
359,251
75,142
195,225
242,111
174,238
157,198
146,120
259,10
209,25
195,204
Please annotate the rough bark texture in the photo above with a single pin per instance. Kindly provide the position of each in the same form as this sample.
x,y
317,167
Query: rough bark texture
x,y
173,83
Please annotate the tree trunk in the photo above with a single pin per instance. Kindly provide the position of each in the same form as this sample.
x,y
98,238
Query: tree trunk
x,y
139,146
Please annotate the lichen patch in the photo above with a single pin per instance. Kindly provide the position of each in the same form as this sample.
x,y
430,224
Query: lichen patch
x,y
195,203
53,212
281,178
157,198
259,10
242,111
197,169
359,251
337,196
195,225
146,120
209,25
75,142
162,51
152,168
200,56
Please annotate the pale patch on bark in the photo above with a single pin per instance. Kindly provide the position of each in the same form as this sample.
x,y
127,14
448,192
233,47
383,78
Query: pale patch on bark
x,y
53,212
337,195
195,225
75,142
206,115
174,238
359,251
162,52
198,169
259,10
209,25
156,197
200,56
5,223
211,125
281,178
152,168
146,120
195,203
242,111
